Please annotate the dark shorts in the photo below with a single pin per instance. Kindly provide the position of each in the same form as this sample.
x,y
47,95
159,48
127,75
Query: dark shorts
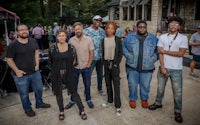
x,y
196,58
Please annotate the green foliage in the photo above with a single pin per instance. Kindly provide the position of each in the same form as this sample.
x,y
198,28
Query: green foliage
x,y
32,12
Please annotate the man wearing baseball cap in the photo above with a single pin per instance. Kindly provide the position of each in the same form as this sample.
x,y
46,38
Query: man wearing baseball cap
x,y
195,44
97,34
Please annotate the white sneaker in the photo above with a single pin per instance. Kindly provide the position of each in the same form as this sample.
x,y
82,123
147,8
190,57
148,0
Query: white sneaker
x,y
102,93
105,105
119,112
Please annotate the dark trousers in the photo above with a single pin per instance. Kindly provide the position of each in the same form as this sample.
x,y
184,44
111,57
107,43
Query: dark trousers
x,y
59,97
112,79
40,43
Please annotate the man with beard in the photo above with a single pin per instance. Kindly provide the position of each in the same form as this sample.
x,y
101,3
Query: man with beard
x,y
85,53
23,58
97,34
139,49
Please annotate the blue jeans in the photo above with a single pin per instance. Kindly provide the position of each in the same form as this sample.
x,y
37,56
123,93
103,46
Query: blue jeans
x,y
99,69
143,79
23,83
86,75
176,81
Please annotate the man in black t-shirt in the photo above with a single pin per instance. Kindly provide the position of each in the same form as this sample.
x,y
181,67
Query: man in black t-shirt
x,y
23,58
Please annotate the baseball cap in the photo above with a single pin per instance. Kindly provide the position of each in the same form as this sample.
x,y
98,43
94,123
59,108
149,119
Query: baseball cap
x,y
96,17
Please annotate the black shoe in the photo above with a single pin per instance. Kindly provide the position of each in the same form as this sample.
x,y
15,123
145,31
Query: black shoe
x,y
178,118
44,105
154,106
30,113
90,104
69,105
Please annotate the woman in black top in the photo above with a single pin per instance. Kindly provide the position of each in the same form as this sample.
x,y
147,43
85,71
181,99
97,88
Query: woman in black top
x,y
112,55
62,57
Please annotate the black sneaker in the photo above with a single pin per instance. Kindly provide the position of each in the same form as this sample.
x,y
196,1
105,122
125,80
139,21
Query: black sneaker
x,y
30,113
154,106
69,105
178,118
44,105
90,104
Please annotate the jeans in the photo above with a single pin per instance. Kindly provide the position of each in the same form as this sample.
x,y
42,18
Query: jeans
x,y
143,79
23,83
176,81
99,69
112,81
86,75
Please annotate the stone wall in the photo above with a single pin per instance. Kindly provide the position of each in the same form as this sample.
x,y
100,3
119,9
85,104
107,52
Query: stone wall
x,y
151,25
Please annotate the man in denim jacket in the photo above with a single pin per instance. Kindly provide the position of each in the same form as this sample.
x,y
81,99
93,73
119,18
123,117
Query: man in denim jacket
x,y
140,51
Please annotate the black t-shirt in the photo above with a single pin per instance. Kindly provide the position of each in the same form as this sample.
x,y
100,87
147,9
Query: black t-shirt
x,y
23,55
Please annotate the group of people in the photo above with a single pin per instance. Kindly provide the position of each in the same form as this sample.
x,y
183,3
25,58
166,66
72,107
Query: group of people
x,y
94,48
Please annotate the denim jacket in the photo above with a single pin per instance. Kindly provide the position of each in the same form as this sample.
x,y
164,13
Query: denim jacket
x,y
131,51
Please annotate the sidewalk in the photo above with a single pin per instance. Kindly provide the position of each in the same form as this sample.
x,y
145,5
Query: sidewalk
x,y
11,112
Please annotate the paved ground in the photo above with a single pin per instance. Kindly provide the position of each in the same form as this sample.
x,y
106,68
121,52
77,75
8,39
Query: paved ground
x,y
11,112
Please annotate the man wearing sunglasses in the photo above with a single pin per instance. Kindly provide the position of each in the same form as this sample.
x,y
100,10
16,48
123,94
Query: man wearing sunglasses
x,y
139,49
171,48
97,34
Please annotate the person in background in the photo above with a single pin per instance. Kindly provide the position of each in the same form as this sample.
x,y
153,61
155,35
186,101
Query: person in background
x,y
62,58
112,55
195,43
126,32
134,28
158,33
55,29
12,36
37,34
118,32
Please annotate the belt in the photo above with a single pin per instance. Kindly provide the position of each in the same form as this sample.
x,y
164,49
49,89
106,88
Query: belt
x,y
109,60
62,72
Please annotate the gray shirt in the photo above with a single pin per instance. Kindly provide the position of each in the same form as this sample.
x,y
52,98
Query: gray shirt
x,y
195,38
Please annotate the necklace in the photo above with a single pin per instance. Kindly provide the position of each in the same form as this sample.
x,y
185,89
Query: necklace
x,y
171,42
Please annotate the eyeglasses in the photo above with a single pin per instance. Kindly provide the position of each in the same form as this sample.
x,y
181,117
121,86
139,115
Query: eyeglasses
x,y
22,30
140,27
171,24
99,20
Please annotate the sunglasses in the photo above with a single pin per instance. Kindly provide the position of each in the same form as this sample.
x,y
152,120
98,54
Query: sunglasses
x,y
171,24
98,20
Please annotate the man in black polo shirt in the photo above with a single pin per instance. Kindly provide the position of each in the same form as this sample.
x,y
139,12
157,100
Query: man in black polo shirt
x,y
23,58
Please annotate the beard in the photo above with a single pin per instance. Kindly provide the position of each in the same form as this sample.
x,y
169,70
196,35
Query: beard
x,y
24,36
79,34
139,33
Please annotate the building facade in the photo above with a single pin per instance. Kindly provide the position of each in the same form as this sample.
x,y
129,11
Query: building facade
x,y
127,12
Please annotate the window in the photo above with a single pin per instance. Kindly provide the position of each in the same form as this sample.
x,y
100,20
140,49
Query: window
x,y
125,13
197,10
139,12
147,10
116,14
131,13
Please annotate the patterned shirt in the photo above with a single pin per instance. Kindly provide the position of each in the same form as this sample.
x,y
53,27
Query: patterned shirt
x,y
97,38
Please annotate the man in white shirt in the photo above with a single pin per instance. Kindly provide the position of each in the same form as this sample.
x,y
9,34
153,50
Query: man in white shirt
x,y
171,48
